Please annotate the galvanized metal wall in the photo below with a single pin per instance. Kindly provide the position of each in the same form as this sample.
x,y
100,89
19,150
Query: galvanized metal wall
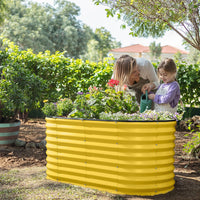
x,y
134,158
9,133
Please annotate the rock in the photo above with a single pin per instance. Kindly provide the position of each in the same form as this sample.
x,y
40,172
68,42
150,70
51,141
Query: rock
x,y
20,143
195,118
196,152
182,126
42,144
195,123
30,145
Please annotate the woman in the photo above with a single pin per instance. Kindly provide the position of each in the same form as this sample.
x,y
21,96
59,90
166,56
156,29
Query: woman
x,y
138,74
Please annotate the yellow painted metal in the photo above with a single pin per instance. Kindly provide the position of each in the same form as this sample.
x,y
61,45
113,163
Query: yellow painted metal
x,y
133,158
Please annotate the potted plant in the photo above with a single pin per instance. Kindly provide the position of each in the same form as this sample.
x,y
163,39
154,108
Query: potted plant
x,y
20,90
103,142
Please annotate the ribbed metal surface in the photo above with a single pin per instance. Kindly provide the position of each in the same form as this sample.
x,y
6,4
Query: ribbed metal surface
x,y
134,158
9,133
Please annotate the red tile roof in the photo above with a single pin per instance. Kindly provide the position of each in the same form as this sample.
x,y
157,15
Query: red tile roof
x,y
138,48
170,49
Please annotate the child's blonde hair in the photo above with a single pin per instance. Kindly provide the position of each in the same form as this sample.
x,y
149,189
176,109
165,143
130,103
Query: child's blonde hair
x,y
123,69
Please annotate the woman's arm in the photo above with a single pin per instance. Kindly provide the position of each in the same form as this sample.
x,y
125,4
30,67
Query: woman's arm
x,y
151,74
147,71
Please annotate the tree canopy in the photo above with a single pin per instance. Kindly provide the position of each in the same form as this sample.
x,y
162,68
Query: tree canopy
x,y
3,8
105,42
154,17
155,50
44,27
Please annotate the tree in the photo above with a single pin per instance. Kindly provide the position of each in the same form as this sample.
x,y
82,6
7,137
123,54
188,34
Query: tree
x,y
105,42
193,56
155,17
3,8
155,50
44,27
100,44
92,53
178,57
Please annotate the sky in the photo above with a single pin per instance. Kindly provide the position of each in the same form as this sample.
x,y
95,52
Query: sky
x,y
95,17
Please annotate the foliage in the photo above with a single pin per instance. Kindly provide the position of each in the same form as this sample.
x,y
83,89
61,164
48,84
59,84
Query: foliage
x,y
96,101
194,56
148,115
44,27
105,42
155,50
178,57
3,9
154,18
61,108
64,107
64,76
92,53
109,104
99,46
188,79
20,90
49,109
54,28
193,144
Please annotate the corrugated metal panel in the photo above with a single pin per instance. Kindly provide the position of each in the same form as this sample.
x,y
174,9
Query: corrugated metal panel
x,y
9,133
134,158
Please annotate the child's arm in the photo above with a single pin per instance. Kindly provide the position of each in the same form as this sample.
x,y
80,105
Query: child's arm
x,y
170,96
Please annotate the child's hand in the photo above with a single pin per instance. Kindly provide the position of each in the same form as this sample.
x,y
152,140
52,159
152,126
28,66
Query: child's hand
x,y
151,96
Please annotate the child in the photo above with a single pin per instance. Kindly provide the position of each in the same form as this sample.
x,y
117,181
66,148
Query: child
x,y
168,94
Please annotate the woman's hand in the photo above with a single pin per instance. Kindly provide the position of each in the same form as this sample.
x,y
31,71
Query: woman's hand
x,y
151,96
148,87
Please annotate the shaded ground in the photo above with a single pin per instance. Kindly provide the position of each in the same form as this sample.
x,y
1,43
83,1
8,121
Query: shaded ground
x,y
12,157
187,172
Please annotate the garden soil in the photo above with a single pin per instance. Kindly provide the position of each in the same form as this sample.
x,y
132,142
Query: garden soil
x,y
187,170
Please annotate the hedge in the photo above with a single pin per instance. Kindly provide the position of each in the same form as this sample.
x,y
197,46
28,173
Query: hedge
x,y
65,76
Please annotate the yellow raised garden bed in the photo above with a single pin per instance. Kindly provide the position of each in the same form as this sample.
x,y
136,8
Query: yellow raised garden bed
x,y
133,158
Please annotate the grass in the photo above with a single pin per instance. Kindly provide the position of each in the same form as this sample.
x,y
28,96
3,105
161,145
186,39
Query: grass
x,y
31,184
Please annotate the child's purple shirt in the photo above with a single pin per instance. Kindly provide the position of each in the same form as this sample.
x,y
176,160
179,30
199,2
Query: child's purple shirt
x,y
172,96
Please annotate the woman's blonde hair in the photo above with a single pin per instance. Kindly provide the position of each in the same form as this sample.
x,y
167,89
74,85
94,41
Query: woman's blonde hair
x,y
123,69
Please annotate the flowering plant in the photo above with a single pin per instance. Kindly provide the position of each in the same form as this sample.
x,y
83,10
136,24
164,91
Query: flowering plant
x,y
96,101
148,115
113,82
106,104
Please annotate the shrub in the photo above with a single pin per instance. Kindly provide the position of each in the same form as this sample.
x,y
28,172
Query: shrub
x,y
192,147
20,90
64,107
49,109
188,79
